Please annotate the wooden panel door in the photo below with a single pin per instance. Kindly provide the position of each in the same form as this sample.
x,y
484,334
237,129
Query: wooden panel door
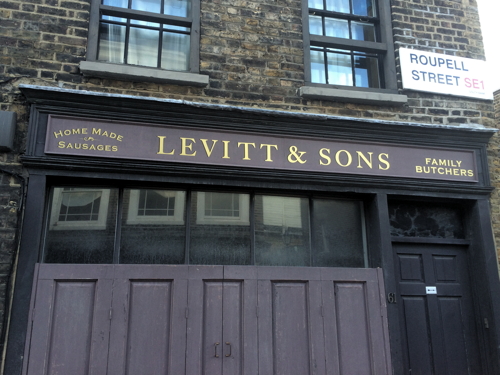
x,y
438,323
70,320
208,320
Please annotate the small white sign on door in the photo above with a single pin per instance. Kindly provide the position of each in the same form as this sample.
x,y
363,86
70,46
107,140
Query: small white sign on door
x,y
431,290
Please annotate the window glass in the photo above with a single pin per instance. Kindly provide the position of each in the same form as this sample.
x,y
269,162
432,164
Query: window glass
x,y
220,228
425,220
318,73
112,43
179,8
363,31
81,225
338,233
341,6
366,71
282,231
316,25
336,28
143,47
363,8
153,227
116,3
175,51
339,69
146,5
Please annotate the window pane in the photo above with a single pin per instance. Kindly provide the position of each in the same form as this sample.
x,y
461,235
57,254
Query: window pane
x,y
336,28
318,74
364,8
425,220
116,3
180,8
339,69
111,43
363,31
366,70
153,6
175,51
338,233
315,25
143,47
282,231
316,4
220,228
338,6
81,225
153,229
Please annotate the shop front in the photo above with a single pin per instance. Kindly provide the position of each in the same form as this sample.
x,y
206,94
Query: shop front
x,y
167,237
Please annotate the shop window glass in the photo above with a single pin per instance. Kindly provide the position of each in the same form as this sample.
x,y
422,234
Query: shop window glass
x,y
153,228
220,229
282,231
425,220
338,233
81,225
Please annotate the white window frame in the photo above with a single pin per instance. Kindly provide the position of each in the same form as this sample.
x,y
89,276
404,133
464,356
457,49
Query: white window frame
x,y
242,219
99,224
176,219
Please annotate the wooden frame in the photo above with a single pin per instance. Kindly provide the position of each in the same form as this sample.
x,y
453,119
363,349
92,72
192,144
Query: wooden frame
x,y
384,48
193,22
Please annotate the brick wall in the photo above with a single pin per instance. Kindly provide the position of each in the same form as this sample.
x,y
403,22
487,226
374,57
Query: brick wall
x,y
252,51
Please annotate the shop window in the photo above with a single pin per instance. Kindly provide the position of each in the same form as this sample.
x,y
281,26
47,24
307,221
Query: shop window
x,y
425,220
348,44
162,226
81,225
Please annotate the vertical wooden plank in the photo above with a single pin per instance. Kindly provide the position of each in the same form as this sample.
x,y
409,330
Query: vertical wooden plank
x,y
291,334
315,323
30,322
177,354
232,327
353,328
265,327
330,327
213,345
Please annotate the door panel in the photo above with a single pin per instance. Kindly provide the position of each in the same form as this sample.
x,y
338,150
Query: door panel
x,y
439,328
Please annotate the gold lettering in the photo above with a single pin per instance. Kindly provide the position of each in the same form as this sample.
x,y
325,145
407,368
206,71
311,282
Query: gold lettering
x,y
384,161
427,160
185,145
119,138
58,134
326,157
112,135
442,162
463,172
418,169
368,162
448,171
349,158
107,148
459,162
105,133
114,148
76,131
456,172
61,144
69,145
100,147
434,162
226,150
67,132
96,131
85,146
440,170
246,144
92,147
470,173
160,147
84,130
268,151
205,146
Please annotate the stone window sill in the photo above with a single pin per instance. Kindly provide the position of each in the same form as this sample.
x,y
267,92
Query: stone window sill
x,y
141,74
352,96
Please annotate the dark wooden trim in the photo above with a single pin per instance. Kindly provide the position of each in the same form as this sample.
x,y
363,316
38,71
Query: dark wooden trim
x,y
194,62
145,16
485,284
93,35
440,241
27,258
386,36
348,44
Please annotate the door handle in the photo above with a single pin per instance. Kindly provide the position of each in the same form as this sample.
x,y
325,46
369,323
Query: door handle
x,y
215,346
229,355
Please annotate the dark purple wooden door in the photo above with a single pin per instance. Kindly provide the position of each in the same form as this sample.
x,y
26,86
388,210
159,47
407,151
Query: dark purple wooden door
x,y
208,320
436,310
